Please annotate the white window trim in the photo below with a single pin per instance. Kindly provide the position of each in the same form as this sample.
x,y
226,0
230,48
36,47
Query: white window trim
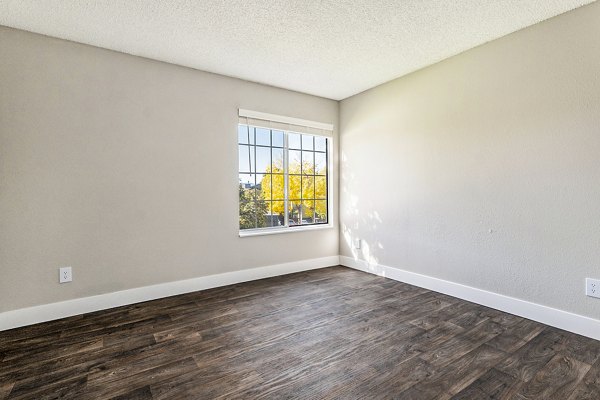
x,y
331,179
283,229
285,120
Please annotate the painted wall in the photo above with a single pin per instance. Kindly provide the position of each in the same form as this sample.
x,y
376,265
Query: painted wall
x,y
126,169
484,169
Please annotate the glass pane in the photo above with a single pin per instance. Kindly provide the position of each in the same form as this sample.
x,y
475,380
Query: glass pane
x,y
262,180
262,209
246,158
267,216
320,143
246,187
320,163
247,215
295,186
263,159
308,187
246,180
294,162
320,187
277,160
308,211
307,142
245,134
242,134
265,186
320,211
273,218
263,137
294,141
277,137
308,162
294,213
277,187
278,208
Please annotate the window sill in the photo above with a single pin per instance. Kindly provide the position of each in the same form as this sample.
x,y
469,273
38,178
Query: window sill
x,y
276,231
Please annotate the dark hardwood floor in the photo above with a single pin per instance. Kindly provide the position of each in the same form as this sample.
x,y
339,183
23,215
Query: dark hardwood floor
x,y
333,333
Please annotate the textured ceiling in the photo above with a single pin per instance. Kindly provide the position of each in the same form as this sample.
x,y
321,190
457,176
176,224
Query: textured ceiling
x,y
330,48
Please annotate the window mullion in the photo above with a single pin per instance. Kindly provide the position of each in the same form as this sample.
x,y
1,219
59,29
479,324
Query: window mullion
x,y
255,205
286,184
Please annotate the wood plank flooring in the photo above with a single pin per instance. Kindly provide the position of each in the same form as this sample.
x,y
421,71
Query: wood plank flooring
x,y
333,333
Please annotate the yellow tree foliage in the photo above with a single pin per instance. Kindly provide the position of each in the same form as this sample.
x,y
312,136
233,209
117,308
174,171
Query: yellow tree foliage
x,y
302,186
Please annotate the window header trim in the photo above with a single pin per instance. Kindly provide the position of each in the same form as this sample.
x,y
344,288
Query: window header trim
x,y
243,113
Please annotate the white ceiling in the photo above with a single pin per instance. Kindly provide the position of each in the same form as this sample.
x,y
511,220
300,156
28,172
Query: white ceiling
x,y
330,48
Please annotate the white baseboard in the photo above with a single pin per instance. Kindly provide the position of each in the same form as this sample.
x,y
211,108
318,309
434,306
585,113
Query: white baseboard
x,y
550,316
48,312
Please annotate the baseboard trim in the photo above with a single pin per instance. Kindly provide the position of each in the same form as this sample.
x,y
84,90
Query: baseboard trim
x,y
547,315
48,312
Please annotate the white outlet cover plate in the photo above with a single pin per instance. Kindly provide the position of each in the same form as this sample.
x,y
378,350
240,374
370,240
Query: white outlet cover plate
x,y
592,287
65,274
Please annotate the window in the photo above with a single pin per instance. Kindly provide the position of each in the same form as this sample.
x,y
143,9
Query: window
x,y
283,177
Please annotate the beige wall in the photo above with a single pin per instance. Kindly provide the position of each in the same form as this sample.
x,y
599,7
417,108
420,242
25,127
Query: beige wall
x,y
126,169
484,169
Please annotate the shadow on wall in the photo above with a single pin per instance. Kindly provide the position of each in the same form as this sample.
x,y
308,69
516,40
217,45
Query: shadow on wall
x,y
359,222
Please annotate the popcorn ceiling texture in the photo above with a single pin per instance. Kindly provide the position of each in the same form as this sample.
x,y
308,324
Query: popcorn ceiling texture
x,y
333,49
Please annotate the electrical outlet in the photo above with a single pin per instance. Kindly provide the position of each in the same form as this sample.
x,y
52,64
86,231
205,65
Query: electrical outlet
x,y
592,287
65,274
357,243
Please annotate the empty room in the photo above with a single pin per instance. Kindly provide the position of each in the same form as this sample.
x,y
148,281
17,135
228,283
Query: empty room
x,y
299,199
